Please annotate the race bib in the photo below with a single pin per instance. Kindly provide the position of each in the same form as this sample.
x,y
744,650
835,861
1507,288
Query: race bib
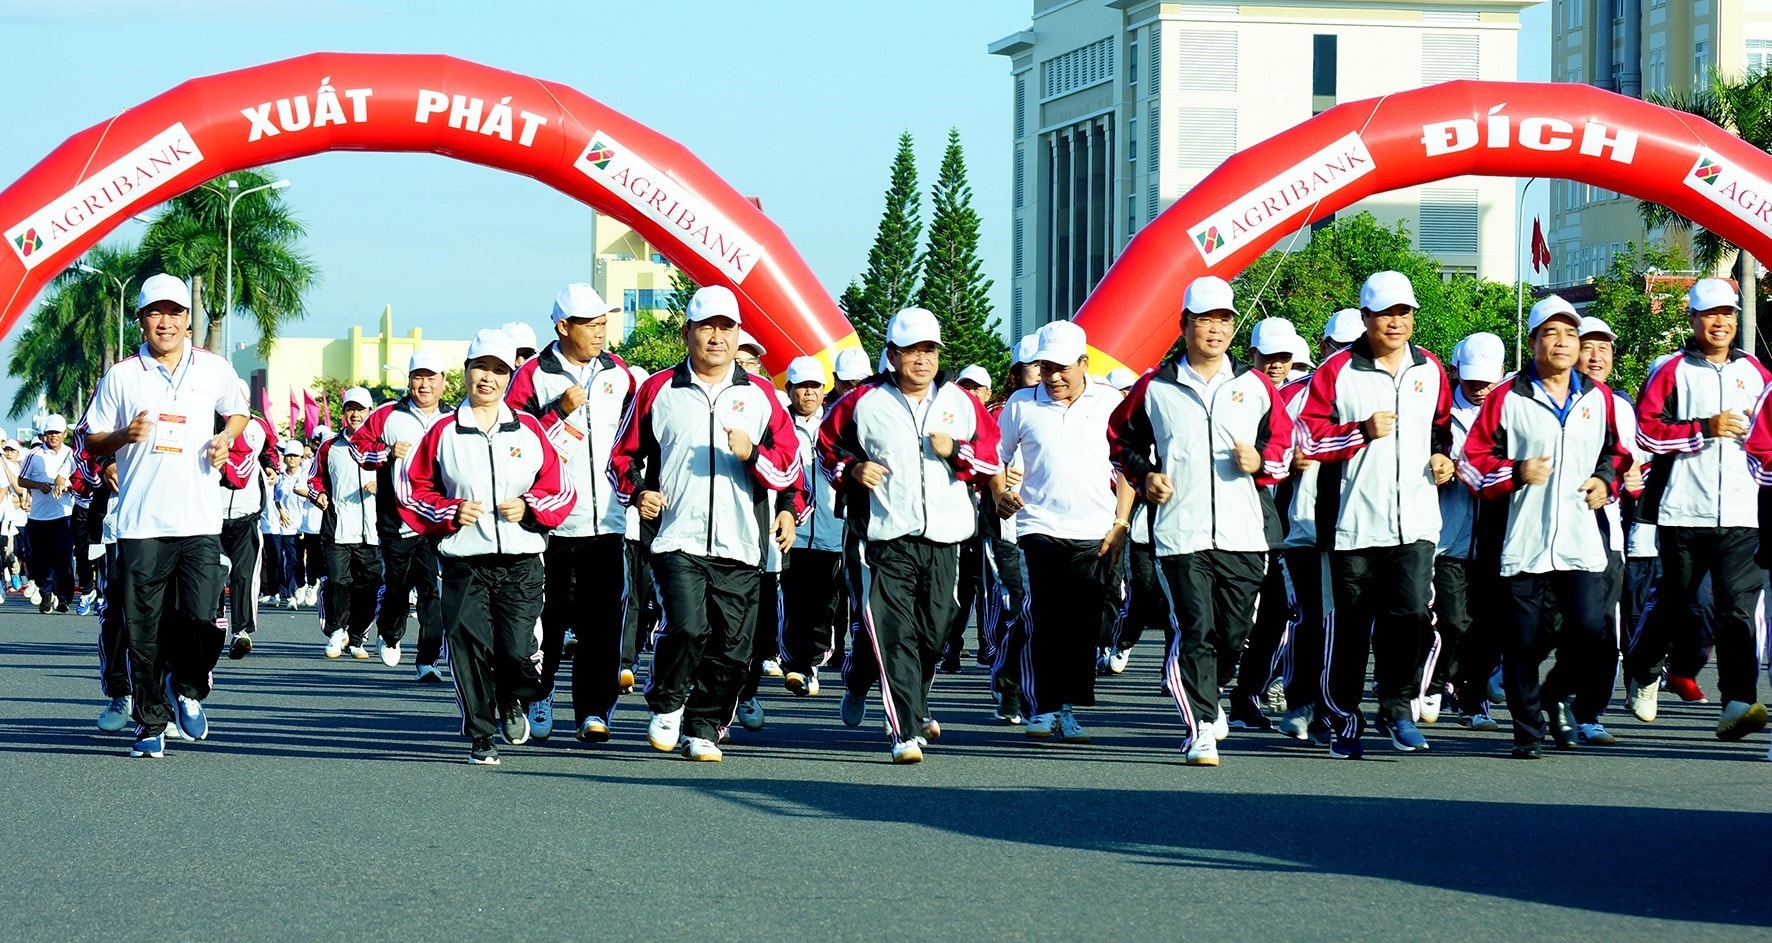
x,y
566,437
169,433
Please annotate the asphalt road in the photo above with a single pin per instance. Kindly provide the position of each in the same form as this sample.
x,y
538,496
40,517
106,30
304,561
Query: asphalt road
x,y
332,802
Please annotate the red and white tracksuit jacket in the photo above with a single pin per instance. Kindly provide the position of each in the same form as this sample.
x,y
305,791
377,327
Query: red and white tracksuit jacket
x,y
584,438
350,505
1697,481
456,462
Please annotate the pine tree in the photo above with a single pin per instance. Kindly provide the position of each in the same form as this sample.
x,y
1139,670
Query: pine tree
x,y
890,282
953,283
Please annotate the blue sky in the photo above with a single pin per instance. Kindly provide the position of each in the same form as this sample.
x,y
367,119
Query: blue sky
x,y
797,103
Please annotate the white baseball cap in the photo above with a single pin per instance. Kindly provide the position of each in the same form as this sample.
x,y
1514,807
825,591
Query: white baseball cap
x,y
1273,336
164,287
425,359
1591,325
1548,307
54,423
579,300
1061,342
1121,378
1344,326
1386,290
913,326
1480,358
852,364
976,374
1301,351
1208,293
495,344
806,370
1708,293
714,301
292,446
522,335
746,340
360,396
1024,349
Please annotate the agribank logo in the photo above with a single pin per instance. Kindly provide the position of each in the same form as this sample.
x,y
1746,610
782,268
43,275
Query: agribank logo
x,y
666,201
103,194
1744,196
1277,200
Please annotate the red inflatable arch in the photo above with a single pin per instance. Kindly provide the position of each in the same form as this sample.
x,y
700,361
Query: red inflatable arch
x,y
1498,129
343,101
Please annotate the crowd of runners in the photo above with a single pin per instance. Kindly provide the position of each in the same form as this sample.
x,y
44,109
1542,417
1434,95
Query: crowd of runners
x,y
1334,523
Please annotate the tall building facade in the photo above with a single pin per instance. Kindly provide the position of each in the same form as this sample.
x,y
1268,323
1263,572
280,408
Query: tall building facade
x,y
629,271
1120,106
1636,48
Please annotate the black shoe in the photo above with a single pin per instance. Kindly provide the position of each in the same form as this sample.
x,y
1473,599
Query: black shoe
x,y
45,603
61,607
1528,751
484,752
1562,725
516,723
950,663
241,646
1246,717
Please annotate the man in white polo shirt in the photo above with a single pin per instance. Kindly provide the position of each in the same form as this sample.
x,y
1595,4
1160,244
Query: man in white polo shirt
x,y
47,471
156,411
1071,517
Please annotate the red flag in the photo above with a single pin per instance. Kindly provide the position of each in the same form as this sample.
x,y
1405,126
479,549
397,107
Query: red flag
x,y
310,413
326,412
264,402
294,413
1541,255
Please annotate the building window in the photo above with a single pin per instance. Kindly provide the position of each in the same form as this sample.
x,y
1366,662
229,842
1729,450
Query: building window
x,y
1156,57
634,300
1759,56
1079,68
1323,50
1700,63
1132,63
1151,153
1208,62
1151,202
1132,138
1656,80
1572,10
1020,269
1447,57
1021,108
1020,178
1449,220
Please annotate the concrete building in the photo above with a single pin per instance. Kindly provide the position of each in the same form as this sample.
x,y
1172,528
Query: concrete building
x,y
1638,47
627,269
297,363
1121,106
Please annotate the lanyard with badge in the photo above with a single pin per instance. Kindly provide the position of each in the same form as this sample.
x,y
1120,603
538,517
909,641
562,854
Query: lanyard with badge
x,y
565,435
169,427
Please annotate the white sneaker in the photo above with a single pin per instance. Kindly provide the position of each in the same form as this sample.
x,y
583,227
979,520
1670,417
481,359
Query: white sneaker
x,y
907,751
115,716
1042,725
771,668
1069,730
1739,719
1641,699
1595,733
1430,708
1221,728
336,643
750,714
701,750
665,730
390,653
541,718
1117,658
1203,751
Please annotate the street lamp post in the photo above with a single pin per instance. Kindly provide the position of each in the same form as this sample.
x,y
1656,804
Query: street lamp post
x,y
1520,282
235,194
122,300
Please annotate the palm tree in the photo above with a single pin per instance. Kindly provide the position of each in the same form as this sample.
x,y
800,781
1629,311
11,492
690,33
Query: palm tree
x,y
69,343
271,274
1742,107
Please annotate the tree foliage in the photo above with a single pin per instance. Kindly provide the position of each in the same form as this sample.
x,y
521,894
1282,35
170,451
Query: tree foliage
x,y
1743,107
271,272
1309,285
657,343
894,262
954,286
72,336
1649,318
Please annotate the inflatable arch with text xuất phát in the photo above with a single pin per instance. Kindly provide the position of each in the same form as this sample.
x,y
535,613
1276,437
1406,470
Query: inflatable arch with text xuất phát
x,y
1498,129
365,102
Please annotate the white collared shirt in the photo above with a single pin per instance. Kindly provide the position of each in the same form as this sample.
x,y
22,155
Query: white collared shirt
x,y
46,466
1067,483
166,485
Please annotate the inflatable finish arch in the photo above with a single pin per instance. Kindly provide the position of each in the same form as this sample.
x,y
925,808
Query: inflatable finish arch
x,y
1500,129
345,101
